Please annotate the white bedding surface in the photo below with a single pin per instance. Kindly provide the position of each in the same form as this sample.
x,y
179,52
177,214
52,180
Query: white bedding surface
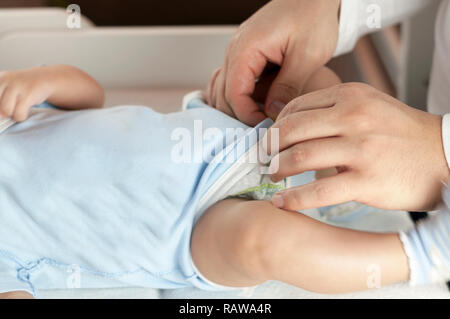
x,y
169,100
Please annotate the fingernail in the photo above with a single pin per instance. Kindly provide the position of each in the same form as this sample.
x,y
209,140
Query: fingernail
x,y
277,106
278,201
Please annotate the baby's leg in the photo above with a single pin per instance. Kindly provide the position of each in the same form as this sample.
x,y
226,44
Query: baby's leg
x,y
240,243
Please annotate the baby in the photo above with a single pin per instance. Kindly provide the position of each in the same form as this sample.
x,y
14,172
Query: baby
x,y
94,197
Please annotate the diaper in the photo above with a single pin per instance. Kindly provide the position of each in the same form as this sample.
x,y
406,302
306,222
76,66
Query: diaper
x,y
246,181
246,178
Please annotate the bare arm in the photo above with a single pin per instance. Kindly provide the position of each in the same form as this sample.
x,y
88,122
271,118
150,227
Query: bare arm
x,y
62,85
73,88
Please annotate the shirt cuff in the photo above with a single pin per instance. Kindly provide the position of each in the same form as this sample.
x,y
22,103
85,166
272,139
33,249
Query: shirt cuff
x,y
349,22
188,98
414,268
446,137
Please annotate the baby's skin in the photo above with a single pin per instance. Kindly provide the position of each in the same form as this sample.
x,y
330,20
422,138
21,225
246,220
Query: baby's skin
x,y
62,85
237,243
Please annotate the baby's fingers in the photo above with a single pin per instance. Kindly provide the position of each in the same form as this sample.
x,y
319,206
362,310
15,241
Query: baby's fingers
x,y
8,102
22,109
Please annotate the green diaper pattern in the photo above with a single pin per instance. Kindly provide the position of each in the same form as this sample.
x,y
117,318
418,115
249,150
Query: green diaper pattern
x,y
261,192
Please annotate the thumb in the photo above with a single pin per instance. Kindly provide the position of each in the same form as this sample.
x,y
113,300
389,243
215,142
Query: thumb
x,y
287,85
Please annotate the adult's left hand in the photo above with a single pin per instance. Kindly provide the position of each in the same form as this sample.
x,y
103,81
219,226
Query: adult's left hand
x,y
387,154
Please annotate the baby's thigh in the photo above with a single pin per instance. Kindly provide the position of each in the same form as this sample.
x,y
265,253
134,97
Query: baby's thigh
x,y
223,244
234,242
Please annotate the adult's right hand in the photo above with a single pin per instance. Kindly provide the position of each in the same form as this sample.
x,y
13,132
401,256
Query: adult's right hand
x,y
387,154
298,35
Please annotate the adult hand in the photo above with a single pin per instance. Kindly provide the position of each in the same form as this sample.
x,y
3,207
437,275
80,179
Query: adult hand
x,y
298,35
387,154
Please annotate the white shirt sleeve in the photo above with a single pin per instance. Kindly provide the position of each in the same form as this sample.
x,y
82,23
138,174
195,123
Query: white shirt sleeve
x,y
427,247
356,14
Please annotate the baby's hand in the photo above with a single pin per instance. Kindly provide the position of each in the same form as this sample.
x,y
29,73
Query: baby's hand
x,y
20,90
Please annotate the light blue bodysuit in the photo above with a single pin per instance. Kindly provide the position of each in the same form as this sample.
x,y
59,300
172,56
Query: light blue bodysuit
x,y
94,199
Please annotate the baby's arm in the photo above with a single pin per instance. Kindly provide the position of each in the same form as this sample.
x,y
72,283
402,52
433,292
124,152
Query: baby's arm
x,y
61,85
243,243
